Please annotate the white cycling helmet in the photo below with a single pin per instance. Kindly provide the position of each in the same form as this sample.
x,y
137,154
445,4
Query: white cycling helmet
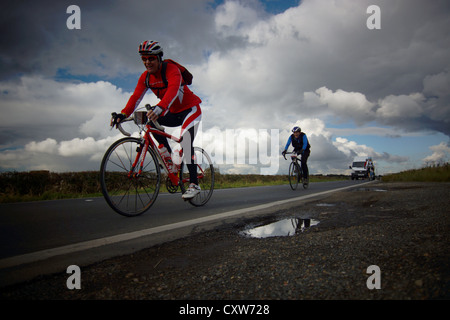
x,y
150,47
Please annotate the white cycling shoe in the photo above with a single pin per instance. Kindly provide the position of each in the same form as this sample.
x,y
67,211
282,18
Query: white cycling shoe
x,y
191,192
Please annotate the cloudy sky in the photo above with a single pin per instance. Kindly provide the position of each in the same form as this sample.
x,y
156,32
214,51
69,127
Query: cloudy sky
x,y
260,67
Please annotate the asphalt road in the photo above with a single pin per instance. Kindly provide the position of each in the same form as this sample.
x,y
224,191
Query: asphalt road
x,y
36,231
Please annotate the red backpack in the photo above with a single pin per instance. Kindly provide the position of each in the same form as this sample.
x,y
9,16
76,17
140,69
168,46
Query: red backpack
x,y
187,76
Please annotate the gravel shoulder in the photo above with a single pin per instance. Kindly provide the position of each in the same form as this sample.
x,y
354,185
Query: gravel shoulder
x,y
403,228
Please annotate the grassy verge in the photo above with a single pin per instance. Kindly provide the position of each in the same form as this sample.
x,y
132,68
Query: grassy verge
x,y
439,173
240,181
45,185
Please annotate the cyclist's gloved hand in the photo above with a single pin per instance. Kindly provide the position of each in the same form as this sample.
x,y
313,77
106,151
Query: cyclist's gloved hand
x,y
154,113
283,153
116,118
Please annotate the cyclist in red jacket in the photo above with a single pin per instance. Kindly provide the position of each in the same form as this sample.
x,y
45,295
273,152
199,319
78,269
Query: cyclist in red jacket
x,y
178,105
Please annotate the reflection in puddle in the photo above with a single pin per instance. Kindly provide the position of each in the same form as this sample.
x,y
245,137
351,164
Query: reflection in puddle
x,y
282,228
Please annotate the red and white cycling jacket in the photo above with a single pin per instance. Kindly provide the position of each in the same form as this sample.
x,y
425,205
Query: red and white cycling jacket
x,y
174,98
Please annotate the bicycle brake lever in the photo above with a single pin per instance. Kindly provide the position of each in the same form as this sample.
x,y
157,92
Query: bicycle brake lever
x,y
156,123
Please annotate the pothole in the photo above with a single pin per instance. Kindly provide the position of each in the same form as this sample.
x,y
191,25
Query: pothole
x,y
281,228
370,189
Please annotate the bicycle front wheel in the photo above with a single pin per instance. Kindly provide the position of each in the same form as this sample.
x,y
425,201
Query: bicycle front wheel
x,y
294,175
126,190
205,175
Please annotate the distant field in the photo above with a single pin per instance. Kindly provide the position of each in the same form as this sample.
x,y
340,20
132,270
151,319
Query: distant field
x,y
45,185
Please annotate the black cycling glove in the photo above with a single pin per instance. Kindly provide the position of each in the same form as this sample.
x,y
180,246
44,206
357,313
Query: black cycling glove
x,y
117,118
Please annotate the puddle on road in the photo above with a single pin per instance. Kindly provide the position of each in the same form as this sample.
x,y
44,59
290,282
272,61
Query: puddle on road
x,y
325,205
282,228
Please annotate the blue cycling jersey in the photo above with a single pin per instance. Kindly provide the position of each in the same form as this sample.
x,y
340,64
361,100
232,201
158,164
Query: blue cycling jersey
x,y
297,142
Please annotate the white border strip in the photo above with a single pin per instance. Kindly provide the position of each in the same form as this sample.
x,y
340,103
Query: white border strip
x,y
49,253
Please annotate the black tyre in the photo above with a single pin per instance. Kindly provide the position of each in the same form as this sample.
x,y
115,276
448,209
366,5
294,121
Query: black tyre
x,y
294,175
127,191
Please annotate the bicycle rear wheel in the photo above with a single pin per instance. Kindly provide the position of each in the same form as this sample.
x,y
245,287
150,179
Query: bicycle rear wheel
x,y
205,175
127,192
294,175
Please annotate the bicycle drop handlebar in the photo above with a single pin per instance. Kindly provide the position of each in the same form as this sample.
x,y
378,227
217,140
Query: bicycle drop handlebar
x,y
131,118
284,154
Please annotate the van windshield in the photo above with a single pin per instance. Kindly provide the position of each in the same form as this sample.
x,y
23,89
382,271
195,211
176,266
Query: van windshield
x,y
358,164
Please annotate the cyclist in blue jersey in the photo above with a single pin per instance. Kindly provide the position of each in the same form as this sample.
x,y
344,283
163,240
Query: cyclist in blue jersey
x,y
301,145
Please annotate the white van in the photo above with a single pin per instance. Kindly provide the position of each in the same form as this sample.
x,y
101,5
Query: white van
x,y
358,168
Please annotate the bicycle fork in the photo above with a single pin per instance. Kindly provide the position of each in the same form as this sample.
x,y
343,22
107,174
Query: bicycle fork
x,y
141,152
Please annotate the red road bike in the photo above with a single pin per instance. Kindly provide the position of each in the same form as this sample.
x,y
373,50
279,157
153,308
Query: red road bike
x,y
132,170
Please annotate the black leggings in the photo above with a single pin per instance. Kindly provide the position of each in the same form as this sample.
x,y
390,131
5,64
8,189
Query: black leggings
x,y
185,119
303,161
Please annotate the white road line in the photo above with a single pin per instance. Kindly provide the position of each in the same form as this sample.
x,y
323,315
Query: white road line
x,y
45,254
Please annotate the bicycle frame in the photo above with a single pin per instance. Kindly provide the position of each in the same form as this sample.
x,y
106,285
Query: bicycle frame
x,y
148,142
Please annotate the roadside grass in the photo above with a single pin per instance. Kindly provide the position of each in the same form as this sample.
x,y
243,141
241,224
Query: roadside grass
x,y
225,181
45,185
438,173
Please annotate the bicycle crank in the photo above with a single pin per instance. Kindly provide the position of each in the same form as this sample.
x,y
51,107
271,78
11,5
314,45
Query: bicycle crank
x,y
170,186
